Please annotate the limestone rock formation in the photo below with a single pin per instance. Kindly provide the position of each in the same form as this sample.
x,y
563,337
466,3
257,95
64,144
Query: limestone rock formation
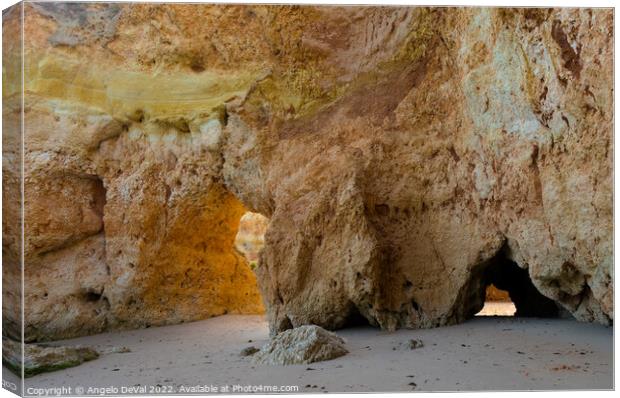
x,y
301,345
39,358
399,153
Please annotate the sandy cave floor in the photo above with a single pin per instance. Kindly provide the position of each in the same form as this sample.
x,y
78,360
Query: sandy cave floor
x,y
497,308
485,353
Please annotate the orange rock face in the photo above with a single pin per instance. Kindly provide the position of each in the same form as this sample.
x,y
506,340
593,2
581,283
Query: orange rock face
x,y
495,294
397,152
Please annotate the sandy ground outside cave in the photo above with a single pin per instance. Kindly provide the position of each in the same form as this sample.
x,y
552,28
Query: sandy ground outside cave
x,y
485,353
503,308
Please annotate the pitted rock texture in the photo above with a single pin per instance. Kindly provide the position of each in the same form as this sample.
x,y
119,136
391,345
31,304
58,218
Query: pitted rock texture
x,y
301,345
397,152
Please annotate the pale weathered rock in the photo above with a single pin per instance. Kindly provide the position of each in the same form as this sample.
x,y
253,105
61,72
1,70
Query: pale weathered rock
x,y
410,344
400,154
301,345
40,358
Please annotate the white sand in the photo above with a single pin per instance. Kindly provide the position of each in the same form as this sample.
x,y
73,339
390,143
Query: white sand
x,y
493,308
486,353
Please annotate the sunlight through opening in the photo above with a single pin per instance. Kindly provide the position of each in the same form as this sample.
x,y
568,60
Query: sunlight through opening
x,y
251,236
497,303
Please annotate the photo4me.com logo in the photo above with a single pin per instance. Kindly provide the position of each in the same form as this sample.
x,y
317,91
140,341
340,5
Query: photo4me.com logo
x,y
236,388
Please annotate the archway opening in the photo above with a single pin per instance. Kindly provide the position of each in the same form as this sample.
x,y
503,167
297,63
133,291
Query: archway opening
x,y
509,291
250,238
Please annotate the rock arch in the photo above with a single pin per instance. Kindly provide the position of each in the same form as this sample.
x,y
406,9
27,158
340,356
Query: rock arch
x,y
393,165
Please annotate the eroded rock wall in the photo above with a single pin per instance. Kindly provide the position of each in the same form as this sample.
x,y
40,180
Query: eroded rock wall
x,y
466,142
11,174
396,152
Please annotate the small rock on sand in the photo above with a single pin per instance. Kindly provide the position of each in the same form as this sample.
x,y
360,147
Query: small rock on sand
x,y
410,344
247,351
301,345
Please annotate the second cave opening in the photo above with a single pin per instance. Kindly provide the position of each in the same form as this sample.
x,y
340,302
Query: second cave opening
x,y
509,291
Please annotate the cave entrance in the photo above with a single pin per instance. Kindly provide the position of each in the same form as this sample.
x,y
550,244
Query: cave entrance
x,y
509,291
251,236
